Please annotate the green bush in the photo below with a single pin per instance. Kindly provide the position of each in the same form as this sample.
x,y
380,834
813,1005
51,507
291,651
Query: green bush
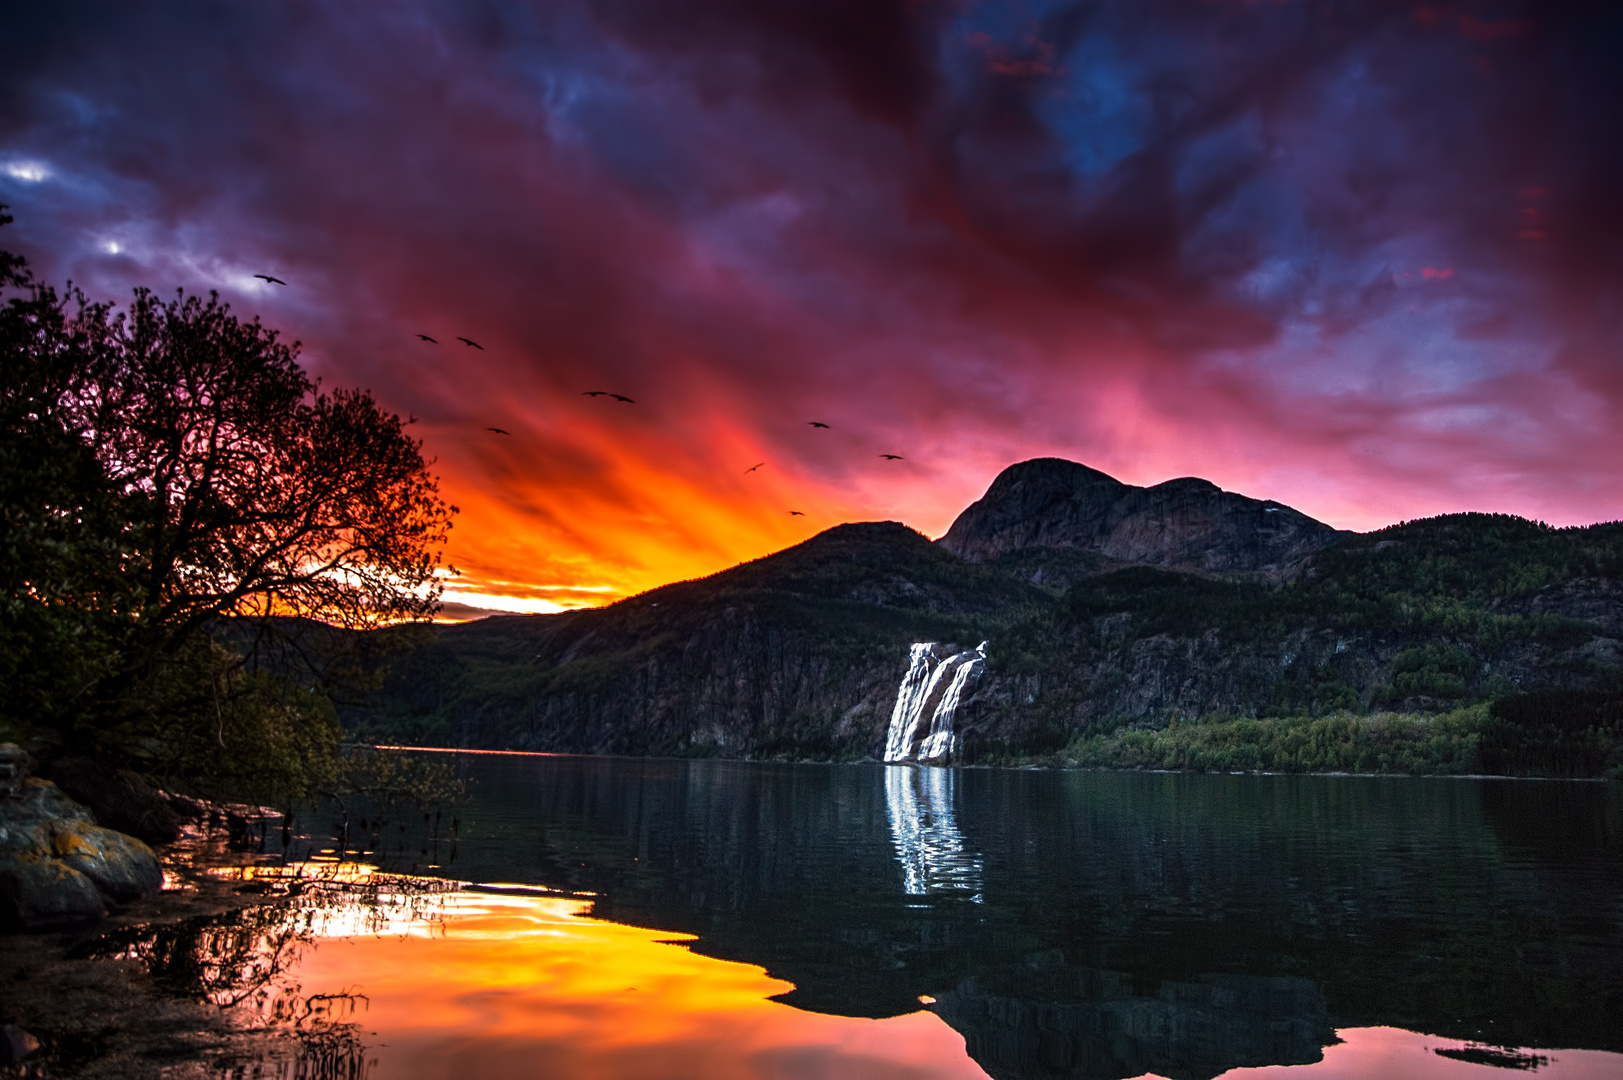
x,y
1381,743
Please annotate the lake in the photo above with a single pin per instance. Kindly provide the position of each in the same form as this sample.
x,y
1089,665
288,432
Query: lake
x,y
674,918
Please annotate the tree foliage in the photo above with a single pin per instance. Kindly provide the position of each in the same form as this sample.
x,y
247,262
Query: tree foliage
x,y
168,466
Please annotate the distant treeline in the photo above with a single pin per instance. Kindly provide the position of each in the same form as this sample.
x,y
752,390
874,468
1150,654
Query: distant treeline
x,y
1550,733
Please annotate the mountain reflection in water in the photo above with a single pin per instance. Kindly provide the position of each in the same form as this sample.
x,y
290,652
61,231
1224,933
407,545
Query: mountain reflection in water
x,y
1181,926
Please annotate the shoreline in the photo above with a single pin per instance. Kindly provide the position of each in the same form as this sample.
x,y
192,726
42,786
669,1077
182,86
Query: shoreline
x,y
106,1016
1030,766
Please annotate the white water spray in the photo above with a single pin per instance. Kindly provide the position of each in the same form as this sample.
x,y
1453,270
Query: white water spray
x,y
921,724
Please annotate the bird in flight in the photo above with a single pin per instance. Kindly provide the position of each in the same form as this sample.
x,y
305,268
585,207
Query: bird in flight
x,y
271,280
472,343
499,431
797,513
816,423
752,468
891,457
622,397
594,393
428,339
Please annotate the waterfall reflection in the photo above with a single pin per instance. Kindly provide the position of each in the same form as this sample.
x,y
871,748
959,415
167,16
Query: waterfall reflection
x,y
918,800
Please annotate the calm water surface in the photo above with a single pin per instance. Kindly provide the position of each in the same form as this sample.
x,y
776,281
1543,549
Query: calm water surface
x,y
760,920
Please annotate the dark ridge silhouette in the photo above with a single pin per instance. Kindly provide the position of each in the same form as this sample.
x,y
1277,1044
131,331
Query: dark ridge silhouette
x,y
1049,504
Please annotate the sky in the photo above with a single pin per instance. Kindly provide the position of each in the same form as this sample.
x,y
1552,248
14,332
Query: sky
x,y
1363,258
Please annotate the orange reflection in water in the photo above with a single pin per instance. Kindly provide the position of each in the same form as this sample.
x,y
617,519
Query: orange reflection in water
x,y
524,986
472,985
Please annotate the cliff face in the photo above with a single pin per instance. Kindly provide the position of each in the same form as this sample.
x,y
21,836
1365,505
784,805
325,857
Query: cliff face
x,y
1190,524
796,654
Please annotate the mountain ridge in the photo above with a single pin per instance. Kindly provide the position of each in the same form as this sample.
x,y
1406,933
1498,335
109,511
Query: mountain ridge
x,y
799,653
1186,523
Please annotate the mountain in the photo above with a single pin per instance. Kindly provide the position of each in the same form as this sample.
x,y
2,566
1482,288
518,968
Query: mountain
x,y
1109,609
1188,524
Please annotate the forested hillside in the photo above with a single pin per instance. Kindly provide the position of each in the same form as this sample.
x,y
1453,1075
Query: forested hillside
x,y
1403,636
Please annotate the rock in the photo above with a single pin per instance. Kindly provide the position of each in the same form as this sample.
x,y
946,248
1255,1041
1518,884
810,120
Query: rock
x,y
42,894
38,802
13,768
16,1045
122,867
1188,523
120,800
187,808
58,867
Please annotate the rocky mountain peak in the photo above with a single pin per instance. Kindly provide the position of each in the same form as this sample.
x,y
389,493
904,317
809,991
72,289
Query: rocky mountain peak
x,y
1187,523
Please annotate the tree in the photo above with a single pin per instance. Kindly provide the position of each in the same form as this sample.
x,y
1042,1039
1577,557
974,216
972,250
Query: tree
x,y
169,466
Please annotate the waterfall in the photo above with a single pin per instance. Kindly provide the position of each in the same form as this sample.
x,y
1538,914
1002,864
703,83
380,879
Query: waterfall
x,y
921,724
925,831
904,718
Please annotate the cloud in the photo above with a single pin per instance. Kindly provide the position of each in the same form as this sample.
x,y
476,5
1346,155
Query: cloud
x,y
29,172
1162,238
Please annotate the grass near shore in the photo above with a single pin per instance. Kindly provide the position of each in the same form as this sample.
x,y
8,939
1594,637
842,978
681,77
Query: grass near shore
x,y
1445,744
1473,740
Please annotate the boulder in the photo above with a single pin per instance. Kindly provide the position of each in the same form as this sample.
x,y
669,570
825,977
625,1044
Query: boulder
x,y
43,894
38,802
122,868
120,800
58,867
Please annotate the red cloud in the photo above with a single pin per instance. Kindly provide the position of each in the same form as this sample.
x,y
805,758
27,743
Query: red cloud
x,y
790,214
1476,30
1037,58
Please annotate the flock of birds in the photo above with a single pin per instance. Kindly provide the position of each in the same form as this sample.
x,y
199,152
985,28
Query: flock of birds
x,y
472,344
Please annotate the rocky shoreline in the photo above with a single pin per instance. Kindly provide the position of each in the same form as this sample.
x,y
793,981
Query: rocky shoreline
x,y
72,1007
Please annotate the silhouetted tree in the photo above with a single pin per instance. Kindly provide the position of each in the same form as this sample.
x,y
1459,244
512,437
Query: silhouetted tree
x,y
166,466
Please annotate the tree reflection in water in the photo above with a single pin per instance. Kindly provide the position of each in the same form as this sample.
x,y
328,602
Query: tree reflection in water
x,y
244,959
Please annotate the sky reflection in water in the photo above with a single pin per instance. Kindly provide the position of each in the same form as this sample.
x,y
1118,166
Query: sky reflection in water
x,y
523,986
752,920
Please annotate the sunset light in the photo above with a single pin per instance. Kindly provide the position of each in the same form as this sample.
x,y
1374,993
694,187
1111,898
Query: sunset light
x,y
811,539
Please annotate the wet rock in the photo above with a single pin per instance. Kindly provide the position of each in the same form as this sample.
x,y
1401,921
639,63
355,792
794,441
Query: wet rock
x,y
16,1045
58,867
122,868
37,802
120,800
187,808
43,894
